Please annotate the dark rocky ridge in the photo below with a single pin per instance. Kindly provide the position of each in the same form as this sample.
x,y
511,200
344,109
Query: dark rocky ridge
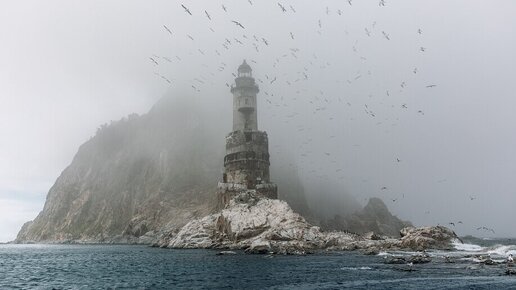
x,y
375,217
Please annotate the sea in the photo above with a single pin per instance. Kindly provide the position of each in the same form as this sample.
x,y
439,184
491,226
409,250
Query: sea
x,y
141,267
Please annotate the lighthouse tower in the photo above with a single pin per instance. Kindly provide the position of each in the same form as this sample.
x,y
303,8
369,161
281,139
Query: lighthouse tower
x,y
246,164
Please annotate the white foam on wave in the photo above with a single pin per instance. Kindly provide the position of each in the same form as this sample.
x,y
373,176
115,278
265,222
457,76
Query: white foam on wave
x,y
356,268
467,247
502,250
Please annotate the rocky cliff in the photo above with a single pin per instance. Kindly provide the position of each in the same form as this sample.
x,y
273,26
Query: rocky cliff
x,y
139,175
374,217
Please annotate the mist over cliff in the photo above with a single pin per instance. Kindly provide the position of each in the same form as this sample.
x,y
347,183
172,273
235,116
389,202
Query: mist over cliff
x,y
144,173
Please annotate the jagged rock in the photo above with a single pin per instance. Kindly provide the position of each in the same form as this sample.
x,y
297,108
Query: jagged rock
x,y
510,271
420,259
394,260
419,239
259,247
371,251
372,236
265,225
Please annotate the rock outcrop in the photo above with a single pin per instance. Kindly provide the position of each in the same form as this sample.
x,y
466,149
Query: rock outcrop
x,y
374,217
437,237
262,225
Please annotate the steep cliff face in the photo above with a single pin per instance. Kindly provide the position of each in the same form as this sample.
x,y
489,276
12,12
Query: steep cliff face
x,y
140,175
134,176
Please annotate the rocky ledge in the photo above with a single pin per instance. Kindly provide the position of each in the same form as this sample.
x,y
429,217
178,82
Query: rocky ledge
x,y
261,225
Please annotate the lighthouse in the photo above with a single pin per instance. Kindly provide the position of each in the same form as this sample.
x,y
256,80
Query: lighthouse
x,y
246,163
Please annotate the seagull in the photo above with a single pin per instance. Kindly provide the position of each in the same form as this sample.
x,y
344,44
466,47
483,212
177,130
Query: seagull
x,y
419,31
367,32
167,29
292,35
398,160
189,36
382,3
472,198
386,35
250,2
431,86
265,41
292,8
422,48
186,9
383,188
451,223
207,15
224,8
238,24
282,7
154,61
415,70
349,1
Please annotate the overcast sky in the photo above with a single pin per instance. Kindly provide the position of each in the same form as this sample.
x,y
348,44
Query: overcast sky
x,y
344,89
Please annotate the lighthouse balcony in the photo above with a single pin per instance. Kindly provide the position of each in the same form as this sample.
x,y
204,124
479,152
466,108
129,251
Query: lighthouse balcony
x,y
246,109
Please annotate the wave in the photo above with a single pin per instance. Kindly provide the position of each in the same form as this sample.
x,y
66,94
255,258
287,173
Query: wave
x,y
495,250
356,268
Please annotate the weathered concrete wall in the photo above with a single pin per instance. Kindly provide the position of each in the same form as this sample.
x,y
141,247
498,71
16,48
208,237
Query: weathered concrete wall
x,y
247,158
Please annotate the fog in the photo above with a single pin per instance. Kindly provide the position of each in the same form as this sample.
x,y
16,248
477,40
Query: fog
x,y
411,102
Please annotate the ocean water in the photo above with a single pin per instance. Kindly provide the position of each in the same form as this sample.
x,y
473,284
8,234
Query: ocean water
x,y
140,267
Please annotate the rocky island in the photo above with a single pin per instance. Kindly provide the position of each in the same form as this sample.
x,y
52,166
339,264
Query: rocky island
x,y
147,180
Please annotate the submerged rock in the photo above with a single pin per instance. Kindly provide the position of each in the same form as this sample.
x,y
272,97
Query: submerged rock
x,y
510,271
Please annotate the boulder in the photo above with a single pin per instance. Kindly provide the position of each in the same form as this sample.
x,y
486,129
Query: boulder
x,y
435,237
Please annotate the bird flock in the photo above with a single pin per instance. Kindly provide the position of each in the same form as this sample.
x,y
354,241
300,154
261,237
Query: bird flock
x,y
295,72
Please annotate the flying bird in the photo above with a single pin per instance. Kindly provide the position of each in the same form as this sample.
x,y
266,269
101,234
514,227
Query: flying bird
x,y
382,3
207,15
224,8
186,9
238,24
349,1
292,35
282,7
167,29
386,35
422,48
431,86
154,61
292,8
419,31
